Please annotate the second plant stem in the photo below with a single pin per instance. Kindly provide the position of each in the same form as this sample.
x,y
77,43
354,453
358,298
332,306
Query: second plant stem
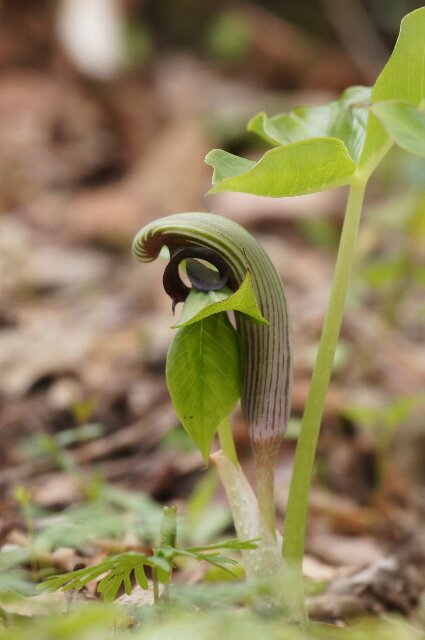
x,y
297,508
226,440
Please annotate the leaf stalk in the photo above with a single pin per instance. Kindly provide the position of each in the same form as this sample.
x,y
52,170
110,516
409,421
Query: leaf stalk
x,y
297,508
226,441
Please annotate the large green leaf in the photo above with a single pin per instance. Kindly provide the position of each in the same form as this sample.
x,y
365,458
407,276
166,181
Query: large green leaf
x,y
204,372
200,304
344,118
403,123
403,78
301,167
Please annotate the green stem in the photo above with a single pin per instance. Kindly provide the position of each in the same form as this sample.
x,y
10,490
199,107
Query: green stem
x,y
296,514
264,471
155,582
226,441
168,530
264,467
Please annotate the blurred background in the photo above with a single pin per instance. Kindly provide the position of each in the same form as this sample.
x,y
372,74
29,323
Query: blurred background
x,y
107,109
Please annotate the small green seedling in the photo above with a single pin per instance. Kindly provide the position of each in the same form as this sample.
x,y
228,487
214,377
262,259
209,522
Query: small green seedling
x,y
211,363
124,569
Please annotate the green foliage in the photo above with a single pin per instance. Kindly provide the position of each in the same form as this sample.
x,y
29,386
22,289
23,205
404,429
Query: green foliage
x,y
92,622
294,169
401,79
204,392
203,386
113,514
118,571
385,271
226,165
316,149
232,543
196,302
404,124
382,422
391,272
228,37
313,149
200,612
344,119
203,518
23,496
177,439
120,568
324,147
198,305
14,579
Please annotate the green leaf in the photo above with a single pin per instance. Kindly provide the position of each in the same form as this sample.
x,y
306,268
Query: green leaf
x,y
212,558
109,586
403,78
204,376
75,579
139,574
403,123
233,543
196,301
292,170
118,571
163,561
226,165
344,118
243,301
162,558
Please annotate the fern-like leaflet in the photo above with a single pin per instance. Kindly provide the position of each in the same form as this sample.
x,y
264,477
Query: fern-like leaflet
x,y
118,570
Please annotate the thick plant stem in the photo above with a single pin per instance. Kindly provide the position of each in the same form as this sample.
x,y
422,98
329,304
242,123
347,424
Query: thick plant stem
x,y
296,514
264,467
226,440
266,560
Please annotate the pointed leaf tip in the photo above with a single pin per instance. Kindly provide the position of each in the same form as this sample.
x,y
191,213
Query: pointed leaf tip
x,y
226,165
243,301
